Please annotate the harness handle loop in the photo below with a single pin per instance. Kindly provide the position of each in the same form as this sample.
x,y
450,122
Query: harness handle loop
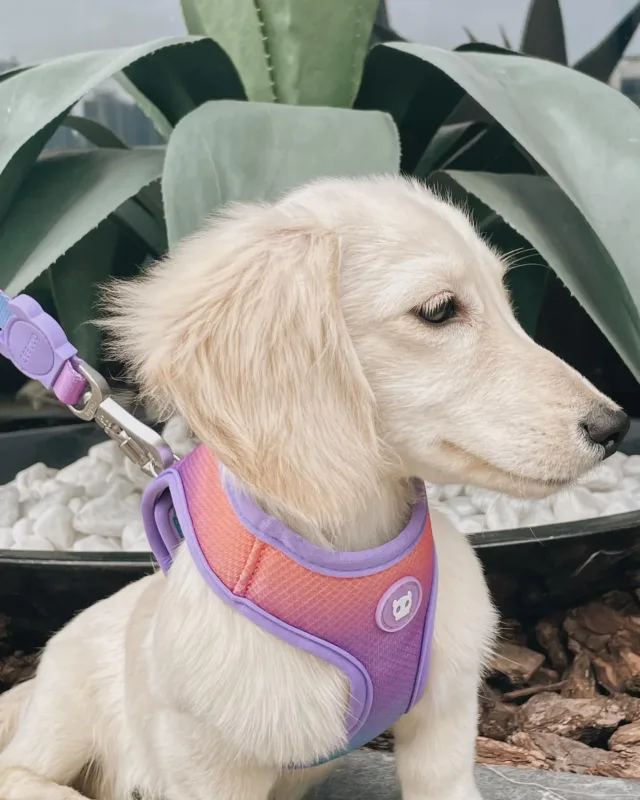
x,y
36,344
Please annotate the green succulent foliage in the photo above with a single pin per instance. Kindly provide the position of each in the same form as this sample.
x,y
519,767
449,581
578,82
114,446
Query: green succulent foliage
x,y
267,94
300,52
485,144
543,36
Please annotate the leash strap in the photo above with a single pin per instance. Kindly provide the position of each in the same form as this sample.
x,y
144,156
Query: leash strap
x,y
35,343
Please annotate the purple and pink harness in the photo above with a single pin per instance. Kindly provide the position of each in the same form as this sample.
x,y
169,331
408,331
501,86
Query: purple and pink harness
x,y
369,613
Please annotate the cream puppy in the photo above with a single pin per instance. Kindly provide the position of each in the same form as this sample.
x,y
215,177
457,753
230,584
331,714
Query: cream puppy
x,y
327,348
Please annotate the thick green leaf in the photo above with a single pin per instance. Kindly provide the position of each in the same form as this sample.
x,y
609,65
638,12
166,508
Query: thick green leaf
x,y
382,30
505,38
177,80
317,49
133,214
447,140
13,172
601,61
493,150
584,134
528,278
34,102
418,100
467,109
75,280
228,151
543,34
94,132
540,212
483,153
483,47
152,112
301,52
470,35
150,197
63,198
236,26
78,276
381,34
382,14
7,73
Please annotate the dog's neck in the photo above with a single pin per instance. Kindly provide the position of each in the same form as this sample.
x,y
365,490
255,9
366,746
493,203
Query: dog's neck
x,y
380,519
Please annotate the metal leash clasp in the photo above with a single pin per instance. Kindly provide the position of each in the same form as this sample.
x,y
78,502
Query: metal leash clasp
x,y
139,443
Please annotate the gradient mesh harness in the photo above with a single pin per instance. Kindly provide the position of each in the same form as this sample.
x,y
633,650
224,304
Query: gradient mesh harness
x,y
369,613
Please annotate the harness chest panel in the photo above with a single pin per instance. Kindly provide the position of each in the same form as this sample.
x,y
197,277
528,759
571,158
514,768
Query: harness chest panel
x,y
369,613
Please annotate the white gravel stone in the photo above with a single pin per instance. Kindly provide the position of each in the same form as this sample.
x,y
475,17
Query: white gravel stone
x,y
462,506
601,479
9,505
132,535
178,437
579,503
631,466
33,542
106,451
119,488
62,497
35,474
56,525
469,525
75,504
450,490
136,476
73,472
617,461
105,516
6,538
22,531
482,499
537,513
630,484
503,514
95,544
619,507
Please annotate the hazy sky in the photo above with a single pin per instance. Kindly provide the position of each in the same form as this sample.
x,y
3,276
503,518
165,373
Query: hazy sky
x,y
37,29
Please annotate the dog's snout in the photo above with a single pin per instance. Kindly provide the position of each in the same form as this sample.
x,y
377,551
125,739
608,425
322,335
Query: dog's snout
x,y
606,427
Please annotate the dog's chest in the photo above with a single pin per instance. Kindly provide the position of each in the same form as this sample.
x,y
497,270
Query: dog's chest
x,y
366,616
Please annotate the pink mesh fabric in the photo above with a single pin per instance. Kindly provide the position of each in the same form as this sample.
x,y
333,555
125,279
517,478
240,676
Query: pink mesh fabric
x,y
334,608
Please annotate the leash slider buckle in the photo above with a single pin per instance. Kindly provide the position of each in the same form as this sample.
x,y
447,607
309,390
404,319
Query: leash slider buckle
x,y
139,443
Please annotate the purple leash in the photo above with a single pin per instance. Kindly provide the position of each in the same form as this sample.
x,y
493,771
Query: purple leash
x,y
36,344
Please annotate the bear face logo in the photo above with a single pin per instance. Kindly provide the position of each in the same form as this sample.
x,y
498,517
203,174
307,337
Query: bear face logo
x,y
399,604
402,606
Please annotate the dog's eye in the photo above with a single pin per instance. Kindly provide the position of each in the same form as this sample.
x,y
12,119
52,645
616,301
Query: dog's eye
x,y
438,312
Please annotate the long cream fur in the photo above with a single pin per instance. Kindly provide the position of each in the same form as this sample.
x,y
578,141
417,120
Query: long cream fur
x,y
287,338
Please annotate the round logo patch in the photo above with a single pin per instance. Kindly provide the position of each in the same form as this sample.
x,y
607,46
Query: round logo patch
x,y
399,605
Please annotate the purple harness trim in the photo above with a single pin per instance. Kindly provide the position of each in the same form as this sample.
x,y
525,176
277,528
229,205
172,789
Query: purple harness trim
x,y
338,563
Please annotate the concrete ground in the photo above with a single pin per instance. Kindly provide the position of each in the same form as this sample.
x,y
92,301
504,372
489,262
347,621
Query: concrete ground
x,y
370,776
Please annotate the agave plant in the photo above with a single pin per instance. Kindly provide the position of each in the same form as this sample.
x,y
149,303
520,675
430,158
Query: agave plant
x,y
261,97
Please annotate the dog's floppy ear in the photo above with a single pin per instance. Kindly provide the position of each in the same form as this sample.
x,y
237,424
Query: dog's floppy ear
x,y
241,332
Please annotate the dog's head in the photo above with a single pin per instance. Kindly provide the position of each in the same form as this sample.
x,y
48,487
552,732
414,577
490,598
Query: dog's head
x,y
353,330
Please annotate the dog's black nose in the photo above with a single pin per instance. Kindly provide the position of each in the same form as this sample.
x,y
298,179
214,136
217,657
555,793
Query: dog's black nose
x,y
607,427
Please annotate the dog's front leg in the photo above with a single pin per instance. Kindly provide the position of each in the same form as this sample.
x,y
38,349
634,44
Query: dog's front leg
x,y
197,763
435,741
435,745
